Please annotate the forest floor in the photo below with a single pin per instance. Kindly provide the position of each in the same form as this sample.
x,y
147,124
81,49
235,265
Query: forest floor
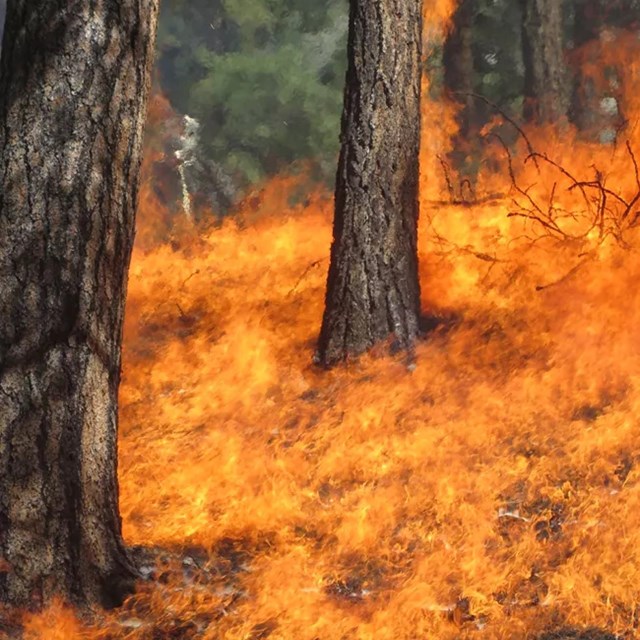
x,y
486,485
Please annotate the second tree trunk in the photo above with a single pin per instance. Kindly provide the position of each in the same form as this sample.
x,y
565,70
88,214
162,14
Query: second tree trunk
x,y
373,290
546,87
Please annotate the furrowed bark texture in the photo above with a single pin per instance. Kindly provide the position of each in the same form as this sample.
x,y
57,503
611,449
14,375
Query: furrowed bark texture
x,y
372,288
546,84
74,77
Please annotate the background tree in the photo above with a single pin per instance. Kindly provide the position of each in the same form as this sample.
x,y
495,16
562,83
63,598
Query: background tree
x,y
459,84
373,289
603,83
546,90
73,88
481,54
263,78
589,19
459,79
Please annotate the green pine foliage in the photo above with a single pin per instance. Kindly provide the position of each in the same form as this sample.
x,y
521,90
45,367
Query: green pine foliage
x,y
263,77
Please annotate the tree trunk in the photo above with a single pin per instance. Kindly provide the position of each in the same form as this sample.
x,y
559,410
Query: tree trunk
x,y
545,80
457,59
372,289
589,16
74,79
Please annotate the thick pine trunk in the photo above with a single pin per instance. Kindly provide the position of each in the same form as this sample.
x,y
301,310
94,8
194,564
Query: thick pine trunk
x,y
546,88
373,290
74,78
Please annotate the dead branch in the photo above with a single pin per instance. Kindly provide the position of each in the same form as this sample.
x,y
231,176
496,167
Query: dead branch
x,y
313,265
601,215
594,184
569,274
447,177
453,198
195,273
635,163
507,118
560,168
490,198
512,175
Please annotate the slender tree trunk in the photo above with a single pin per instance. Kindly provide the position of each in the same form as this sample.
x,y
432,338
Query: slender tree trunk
x,y
546,84
457,59
74,79
373,290
589,16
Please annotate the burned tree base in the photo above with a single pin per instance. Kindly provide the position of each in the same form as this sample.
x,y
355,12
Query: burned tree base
x,y
387,318
119,585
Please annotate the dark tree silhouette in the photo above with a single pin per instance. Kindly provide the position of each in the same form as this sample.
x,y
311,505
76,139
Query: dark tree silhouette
x,y
74,79
546,85
589,18
457,59
458,63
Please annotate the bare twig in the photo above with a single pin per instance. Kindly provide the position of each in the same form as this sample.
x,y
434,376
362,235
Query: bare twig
x,y
594,184
508,118
314,264
447,177
195,273
635,164
566,276
560,168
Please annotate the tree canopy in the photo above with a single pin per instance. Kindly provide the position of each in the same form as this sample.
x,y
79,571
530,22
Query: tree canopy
x,y
263,77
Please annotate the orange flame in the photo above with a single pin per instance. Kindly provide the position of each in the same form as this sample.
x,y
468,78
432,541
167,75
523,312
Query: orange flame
x,y
57,622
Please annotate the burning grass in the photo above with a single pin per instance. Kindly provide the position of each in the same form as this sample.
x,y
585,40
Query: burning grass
x,y
487,486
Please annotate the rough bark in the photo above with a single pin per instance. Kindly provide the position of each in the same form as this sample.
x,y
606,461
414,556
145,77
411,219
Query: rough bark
x,y
545,84
74,77
372,289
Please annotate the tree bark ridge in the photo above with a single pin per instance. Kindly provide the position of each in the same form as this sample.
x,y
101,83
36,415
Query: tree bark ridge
x,y
74,78
372,289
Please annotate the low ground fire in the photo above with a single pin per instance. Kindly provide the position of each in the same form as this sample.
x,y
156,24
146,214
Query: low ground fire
x,y
488,484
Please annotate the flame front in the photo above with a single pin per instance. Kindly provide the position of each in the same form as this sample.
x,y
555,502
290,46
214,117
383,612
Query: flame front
x,y
487,487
